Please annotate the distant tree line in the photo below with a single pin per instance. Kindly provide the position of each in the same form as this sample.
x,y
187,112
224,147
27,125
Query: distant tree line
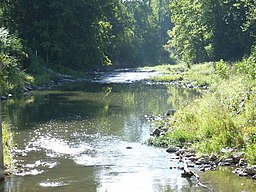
x,y
82,34
86,35
211,30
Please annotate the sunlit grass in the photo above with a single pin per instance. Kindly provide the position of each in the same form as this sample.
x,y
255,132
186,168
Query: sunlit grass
x,y
7,143
225,116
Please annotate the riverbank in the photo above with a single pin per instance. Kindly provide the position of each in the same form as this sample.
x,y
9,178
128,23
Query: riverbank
x,y
222,119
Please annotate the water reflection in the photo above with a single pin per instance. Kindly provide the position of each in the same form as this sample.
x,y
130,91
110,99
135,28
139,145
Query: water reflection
x,y
88,137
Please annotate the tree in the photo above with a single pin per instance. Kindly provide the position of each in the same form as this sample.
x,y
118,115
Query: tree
x,y
208,30
12,55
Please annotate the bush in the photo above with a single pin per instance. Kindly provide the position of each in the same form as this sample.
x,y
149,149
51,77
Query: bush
x,y
248,65
222,69
12,54
7,143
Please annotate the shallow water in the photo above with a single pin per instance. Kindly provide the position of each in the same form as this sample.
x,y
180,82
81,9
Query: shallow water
x,y
89,136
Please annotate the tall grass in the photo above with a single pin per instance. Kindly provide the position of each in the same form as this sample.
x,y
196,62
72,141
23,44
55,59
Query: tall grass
x,y
7,143
225,116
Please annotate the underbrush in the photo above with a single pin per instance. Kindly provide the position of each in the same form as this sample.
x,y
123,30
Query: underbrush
x,y
225,116
7,143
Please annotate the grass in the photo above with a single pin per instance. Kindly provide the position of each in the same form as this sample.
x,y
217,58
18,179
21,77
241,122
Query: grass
x,y
7,143
225,116
201,74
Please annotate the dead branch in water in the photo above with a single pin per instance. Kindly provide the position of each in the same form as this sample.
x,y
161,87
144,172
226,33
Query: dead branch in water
x,y
188,174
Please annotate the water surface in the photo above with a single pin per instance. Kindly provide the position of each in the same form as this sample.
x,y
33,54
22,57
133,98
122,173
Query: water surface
x,y
89,137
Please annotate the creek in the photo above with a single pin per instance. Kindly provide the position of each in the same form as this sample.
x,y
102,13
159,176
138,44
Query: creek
x,y
89,136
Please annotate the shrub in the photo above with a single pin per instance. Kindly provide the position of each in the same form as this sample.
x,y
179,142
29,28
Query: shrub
x,y
12,54
248,65
222,69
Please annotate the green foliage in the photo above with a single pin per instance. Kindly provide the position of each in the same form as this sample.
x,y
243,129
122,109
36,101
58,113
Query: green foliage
x,y
211,30
225,116
7,143
161,141
222,69
248,65
250,153
12,77
113,32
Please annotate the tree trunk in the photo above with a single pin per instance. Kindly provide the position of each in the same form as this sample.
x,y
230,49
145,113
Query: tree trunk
x,y
1,148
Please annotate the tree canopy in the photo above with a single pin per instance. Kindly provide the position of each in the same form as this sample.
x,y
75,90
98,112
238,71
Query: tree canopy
x,y
212,29
82,34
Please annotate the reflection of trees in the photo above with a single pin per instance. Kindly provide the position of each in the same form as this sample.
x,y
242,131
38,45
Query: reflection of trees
x,y
181,97
113,108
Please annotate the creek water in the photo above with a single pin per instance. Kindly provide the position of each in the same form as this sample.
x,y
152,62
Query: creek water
x,y
89,136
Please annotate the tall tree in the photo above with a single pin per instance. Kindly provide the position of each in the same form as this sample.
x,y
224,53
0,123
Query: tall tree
x,y
208,30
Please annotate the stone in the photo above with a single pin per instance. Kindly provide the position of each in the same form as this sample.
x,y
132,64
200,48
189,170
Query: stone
x,y
213,157
156,133
188,154
228,161
3,98
193,158
226,150
249,171
172,149
241,162
254,177
170,112
202,161
190,164
242,174
237,170
237,156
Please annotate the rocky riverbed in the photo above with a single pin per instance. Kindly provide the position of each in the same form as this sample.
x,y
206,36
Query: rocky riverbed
x,y
230,157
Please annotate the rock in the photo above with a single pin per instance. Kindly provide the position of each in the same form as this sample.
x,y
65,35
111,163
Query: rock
x,y
237,170
180,152
202,161
128,147
170,112
242,174
28,87
213,157
254,177
67,81
202,169
156,133
241,162
172,149
228,161
254,169
207,167
188,154
237,156
193,158
3,98
190,164
226,150
249,171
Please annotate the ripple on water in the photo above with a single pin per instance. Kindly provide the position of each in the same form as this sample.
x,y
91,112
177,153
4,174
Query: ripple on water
x,y
53,184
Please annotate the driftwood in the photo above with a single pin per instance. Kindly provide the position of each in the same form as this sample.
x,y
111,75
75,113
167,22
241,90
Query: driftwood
x,y
188,174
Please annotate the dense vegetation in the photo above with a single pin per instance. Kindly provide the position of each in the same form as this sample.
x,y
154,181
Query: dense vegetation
x,y
83,35
224,116
210,30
